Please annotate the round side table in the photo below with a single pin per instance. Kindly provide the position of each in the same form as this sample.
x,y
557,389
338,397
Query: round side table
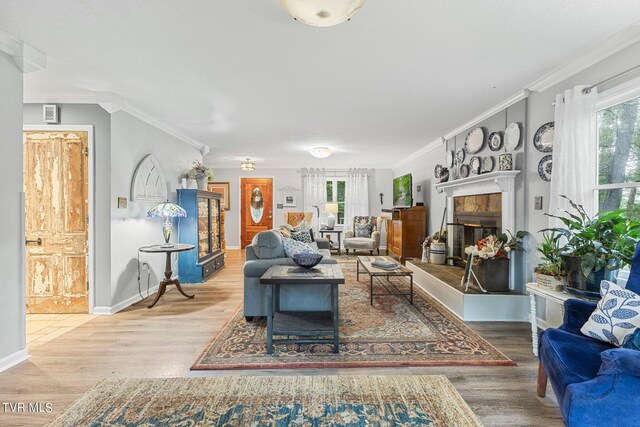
x,y
167,249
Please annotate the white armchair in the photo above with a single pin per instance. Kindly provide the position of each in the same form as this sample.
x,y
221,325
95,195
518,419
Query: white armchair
x,y
364,234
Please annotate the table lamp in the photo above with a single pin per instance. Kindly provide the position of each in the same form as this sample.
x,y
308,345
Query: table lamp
x,y
168,211
331,209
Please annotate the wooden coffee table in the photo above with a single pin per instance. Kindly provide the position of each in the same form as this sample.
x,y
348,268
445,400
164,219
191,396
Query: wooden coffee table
x,y
365,263
303,324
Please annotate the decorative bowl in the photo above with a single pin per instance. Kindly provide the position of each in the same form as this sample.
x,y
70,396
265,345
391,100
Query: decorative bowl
x,y
307,260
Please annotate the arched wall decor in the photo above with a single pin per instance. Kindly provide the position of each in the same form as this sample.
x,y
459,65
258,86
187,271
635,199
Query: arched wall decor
x,y
149,184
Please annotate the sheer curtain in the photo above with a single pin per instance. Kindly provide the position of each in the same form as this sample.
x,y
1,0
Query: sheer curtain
x,y
574,152
315,193
356,197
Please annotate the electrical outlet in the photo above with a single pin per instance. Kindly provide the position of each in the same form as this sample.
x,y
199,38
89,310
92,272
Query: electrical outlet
x,y
538,203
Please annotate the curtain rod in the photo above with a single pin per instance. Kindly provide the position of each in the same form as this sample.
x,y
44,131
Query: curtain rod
x,y
630,70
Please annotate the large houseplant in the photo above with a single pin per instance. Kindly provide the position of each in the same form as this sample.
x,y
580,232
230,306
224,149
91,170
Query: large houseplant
x,y
596,247
551,272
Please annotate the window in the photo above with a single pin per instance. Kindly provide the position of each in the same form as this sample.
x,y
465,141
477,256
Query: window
x,y
335,194
619,156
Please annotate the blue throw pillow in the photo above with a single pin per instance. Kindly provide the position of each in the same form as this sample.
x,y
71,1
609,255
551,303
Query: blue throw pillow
x,y
632,341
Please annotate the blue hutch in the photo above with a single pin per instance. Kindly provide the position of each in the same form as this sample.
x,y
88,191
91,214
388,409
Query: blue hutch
x,y
202,228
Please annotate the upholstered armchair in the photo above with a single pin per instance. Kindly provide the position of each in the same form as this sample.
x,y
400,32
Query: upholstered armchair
x,y
364,234
596,383
294,218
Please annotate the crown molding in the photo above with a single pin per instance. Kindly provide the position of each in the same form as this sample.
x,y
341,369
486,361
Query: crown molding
x,y
424,150
588,57
112,102
26,57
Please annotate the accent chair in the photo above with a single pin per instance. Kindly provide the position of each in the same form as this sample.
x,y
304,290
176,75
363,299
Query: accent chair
x,y
364,234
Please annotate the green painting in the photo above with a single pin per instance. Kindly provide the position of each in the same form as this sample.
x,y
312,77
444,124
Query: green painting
x,y
402,191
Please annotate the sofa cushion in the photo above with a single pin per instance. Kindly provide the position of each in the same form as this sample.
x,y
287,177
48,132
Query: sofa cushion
x,y
616,316
363,230
293,247
268,245
359,243
570,358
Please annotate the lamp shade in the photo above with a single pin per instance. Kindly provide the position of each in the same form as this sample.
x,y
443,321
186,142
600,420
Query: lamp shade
x,y
166,210
331,207
322,13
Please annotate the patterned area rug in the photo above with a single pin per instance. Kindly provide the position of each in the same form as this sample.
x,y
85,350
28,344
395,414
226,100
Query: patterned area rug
x,y
272,401
390,333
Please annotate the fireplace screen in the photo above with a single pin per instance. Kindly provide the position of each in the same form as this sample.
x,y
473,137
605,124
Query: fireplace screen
x,y
459,236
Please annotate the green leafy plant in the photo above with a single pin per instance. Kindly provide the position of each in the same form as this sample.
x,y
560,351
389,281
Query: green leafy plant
x,y
606,240
199,171
552,263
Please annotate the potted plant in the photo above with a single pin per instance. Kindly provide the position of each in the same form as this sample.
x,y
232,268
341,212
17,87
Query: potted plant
x,y
490,259
201,174
551,273
596,247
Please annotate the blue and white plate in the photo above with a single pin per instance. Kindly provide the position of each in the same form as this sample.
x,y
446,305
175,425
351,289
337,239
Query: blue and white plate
x,y
543,139
495,141
545,167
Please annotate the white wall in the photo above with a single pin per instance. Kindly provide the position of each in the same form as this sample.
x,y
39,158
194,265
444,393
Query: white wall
x,y
131,140
12,292
379,182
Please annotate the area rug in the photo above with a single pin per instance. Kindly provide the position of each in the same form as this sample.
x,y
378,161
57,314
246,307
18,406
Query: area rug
x,y
272,401
390,333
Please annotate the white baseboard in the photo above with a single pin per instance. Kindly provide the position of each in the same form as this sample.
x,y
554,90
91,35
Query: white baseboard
x,y
13,359
105,310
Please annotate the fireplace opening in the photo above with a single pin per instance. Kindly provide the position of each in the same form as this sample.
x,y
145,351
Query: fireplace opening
x,y
474,217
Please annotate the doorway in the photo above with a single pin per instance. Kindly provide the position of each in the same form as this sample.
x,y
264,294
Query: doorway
x,y
57,175
256,211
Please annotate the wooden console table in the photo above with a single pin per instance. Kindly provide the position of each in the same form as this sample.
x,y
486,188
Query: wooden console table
x,y
167,270
303,324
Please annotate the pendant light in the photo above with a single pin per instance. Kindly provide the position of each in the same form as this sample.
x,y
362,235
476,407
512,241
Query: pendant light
x,y
248,165
322,13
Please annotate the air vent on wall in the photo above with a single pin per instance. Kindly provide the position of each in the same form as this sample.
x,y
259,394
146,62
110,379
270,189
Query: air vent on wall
x,y
50,113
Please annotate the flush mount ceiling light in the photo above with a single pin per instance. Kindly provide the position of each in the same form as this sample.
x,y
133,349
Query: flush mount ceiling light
x,y
321,152
322,13
248,166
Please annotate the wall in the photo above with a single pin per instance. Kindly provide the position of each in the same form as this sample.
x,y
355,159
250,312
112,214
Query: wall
x,y
12,293
90,114
131,140
379,182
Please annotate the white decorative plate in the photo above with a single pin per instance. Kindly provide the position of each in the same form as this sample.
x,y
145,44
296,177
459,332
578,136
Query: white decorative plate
x,y
460,155
543,139
488,163
475,165
450,158
474,142
437,171
512,136
495,141
464,171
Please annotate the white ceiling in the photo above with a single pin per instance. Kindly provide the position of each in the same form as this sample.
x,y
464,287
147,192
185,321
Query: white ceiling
x,y
246,79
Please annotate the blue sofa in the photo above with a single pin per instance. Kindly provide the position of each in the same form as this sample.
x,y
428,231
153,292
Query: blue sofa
x,y
597,384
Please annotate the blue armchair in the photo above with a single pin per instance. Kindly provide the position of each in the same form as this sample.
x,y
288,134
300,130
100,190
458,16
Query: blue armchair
x,y
596,383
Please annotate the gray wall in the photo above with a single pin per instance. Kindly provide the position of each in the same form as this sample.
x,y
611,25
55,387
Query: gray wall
x,y
90,114
12,292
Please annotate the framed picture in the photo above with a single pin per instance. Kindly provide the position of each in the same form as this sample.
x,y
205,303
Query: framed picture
x,y
222,188
289,200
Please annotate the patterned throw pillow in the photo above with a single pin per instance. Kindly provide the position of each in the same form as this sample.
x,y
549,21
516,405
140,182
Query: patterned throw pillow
x,y
616,316
363,230
302,233
293,247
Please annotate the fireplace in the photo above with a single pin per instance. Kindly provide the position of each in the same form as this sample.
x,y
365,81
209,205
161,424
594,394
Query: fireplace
x,y
474,217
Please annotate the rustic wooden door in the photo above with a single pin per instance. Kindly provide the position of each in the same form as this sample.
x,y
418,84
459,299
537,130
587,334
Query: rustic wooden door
x,y
56,224
256,210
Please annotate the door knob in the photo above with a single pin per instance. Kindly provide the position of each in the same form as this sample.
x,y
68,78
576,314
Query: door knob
x,y
38,241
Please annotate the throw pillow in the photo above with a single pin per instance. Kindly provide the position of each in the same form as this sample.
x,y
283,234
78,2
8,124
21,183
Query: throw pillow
x,y
293,247
616,316
632,341
301,233
363,230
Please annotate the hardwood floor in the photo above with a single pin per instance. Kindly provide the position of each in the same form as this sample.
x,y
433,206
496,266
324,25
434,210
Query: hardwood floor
x,y
165,341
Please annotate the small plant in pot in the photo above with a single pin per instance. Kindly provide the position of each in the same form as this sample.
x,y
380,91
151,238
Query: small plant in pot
x,y
551,273
201,174
596,247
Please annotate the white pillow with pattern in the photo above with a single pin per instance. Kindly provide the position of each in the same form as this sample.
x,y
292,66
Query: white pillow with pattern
x,y
294,247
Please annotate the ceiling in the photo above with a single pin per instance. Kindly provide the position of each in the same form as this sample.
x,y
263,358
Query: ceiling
x,y
249,81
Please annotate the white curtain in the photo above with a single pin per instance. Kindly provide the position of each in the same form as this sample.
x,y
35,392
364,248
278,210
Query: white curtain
x,y
315,193
356,197
574,152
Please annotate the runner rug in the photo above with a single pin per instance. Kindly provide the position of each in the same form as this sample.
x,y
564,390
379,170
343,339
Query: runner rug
x,y
272,401
390,333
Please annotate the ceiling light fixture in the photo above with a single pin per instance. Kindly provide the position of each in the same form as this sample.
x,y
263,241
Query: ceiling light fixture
x,y
321,152
248,165
322,13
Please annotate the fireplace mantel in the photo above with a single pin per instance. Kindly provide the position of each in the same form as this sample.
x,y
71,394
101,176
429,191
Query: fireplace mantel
x,y
499,181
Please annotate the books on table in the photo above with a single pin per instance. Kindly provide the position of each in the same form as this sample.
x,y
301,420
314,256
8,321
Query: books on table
x,y
385,264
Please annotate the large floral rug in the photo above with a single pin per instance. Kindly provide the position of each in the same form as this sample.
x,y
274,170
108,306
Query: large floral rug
x,y
390,333
272,401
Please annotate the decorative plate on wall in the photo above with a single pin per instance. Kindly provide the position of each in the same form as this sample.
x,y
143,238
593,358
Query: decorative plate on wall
x,y
464,171
460,155
488,162
444,175
543,139
475,164
495,141
450,158
545,167
474,142
512,136
437,171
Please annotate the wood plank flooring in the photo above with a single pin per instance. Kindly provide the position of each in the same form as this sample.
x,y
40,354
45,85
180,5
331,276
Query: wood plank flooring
x,y
165,341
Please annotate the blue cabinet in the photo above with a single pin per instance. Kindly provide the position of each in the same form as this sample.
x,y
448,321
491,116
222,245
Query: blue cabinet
x,y
202,228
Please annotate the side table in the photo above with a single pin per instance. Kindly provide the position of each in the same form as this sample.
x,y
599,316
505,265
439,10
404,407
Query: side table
x,y
338,233
167,269
553,297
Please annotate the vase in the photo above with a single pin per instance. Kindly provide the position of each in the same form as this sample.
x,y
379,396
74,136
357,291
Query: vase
x,y
202,183
438,253
505,162
585,286
493,274
425,255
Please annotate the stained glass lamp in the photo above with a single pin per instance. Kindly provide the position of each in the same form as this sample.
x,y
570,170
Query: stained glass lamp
x,y
168,211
